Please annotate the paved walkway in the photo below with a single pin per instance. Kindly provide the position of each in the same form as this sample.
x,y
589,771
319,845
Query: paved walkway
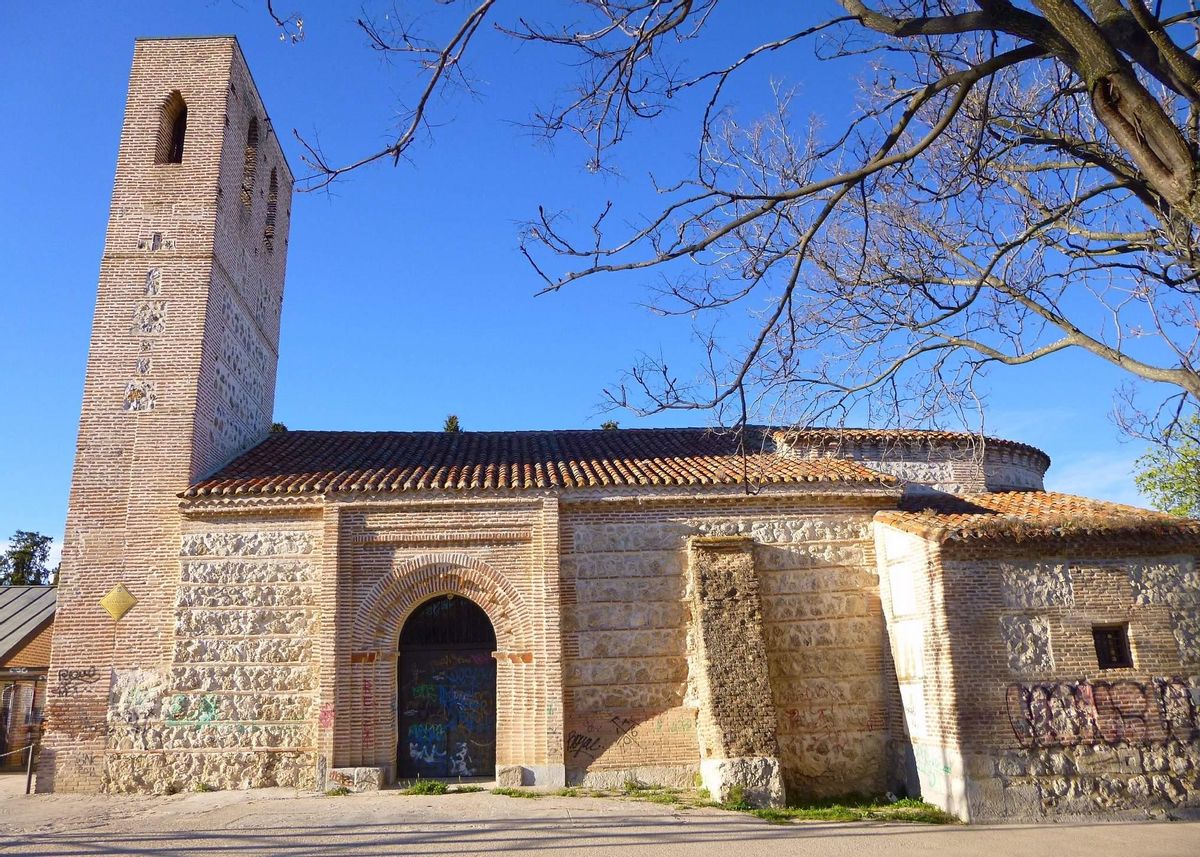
x,y
278,821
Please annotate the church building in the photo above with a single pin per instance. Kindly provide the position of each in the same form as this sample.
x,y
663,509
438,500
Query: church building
x,y
780,614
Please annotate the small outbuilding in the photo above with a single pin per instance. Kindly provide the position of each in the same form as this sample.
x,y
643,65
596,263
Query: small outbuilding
x,y
26,629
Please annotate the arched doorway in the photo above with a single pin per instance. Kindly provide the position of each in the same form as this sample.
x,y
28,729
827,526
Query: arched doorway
x,y
446,683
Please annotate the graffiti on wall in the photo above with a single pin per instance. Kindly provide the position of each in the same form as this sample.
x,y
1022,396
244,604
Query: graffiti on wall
x,y
447,713
613,739
71,682
1067,713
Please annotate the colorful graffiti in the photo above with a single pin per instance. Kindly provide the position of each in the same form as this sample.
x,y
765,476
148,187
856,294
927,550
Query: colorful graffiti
x,y
447,713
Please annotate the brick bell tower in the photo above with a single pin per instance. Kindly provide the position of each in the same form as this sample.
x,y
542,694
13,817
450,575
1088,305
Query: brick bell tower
x,y
180,373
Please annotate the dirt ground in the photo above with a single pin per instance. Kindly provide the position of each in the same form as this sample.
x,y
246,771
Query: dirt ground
x,y
281,821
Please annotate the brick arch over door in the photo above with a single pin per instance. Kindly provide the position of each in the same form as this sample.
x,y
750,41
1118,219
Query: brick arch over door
x,y
376,637
416,580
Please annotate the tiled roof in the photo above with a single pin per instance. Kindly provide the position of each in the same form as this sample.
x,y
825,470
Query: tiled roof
x,y
833,435
297,462
23,610
1024,515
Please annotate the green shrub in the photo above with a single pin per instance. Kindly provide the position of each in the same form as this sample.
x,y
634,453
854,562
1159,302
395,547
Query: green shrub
x,y
737,798
427,787
338,791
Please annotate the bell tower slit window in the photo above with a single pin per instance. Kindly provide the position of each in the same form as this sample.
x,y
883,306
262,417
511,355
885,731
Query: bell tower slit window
x,y
250,164
172,128
272,204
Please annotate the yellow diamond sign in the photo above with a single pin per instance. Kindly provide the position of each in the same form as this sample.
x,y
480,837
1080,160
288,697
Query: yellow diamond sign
x,y
118,601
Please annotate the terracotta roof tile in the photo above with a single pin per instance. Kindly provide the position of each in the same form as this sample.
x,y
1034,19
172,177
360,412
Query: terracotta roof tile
x,y
1026,515
298,462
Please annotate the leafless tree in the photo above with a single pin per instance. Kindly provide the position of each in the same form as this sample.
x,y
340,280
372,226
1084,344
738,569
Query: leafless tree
x,y
1018,179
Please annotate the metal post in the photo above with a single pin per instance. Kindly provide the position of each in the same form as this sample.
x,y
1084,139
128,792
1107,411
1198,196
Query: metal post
x,y
29,769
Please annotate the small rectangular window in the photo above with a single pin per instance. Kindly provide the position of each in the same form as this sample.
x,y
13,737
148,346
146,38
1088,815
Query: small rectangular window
x,y
1112,646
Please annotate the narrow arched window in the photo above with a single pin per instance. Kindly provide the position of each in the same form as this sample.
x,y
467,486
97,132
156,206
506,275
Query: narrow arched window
x,y
272,204
172,128
250,164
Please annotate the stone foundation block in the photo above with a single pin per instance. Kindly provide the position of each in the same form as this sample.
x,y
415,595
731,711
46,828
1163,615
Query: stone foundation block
x,y
756,777
543,776
509,776
356,779
665,776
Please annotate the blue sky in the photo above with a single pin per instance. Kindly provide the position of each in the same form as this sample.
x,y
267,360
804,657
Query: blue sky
x,y
406,297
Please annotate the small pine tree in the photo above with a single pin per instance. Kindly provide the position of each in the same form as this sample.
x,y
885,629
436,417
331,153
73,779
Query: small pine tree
x,y
451,425
278,428
23,563
610,425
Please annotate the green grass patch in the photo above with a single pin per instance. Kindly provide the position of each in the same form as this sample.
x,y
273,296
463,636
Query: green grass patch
x,y
855,808
507,792
633,787
567,792
466,790
204,787
427,787
337,791
661,797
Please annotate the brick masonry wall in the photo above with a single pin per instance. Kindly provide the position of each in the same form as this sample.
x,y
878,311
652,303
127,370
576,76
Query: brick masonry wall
x,y
35,652
393,556
180,378
594,630
925,753
1023,721
1045,730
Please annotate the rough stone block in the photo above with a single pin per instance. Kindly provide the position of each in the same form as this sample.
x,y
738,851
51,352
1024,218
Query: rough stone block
x,y
1173,582
756,778
1036,584
509,776
356,779
1028,641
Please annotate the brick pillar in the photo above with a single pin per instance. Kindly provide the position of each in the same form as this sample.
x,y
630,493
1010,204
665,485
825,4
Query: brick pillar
x,y
736,724
554,772
330,650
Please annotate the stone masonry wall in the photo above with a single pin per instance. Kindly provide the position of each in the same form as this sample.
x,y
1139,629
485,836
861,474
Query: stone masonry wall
x,y
965,464
237,707
630,704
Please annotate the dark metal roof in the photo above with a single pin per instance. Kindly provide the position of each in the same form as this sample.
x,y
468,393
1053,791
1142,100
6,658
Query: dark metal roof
x,y
23,610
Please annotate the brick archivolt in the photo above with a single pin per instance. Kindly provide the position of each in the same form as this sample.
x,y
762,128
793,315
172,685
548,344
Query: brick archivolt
x,y
416,580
